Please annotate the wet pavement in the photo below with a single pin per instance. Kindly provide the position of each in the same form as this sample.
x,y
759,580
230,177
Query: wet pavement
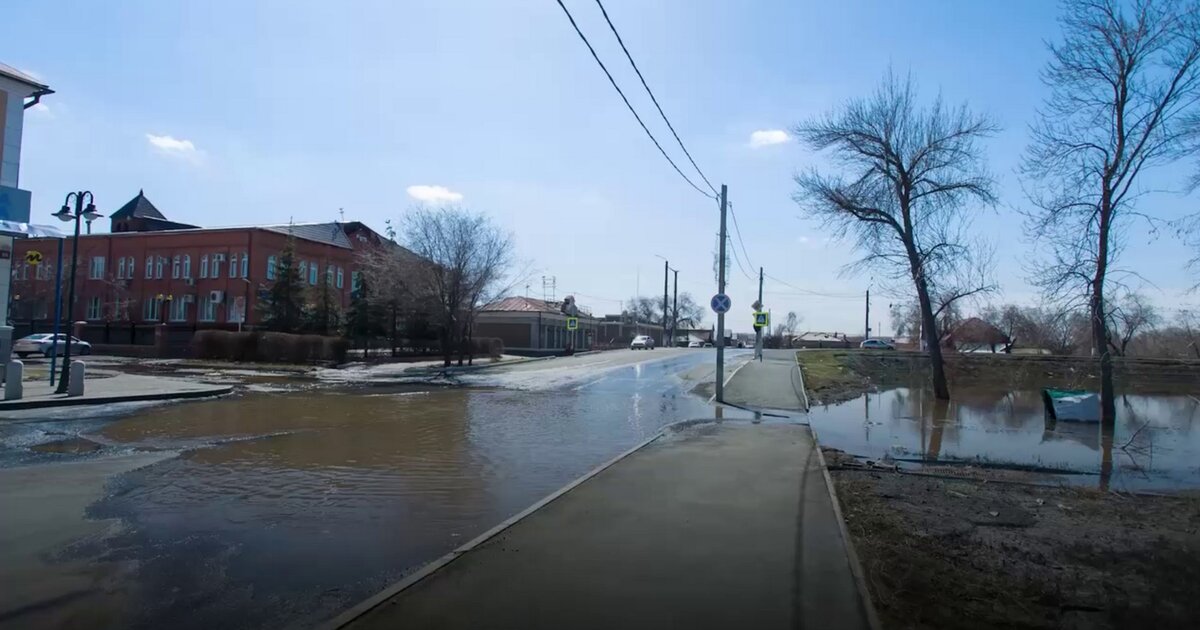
x,y
282,508
1155,445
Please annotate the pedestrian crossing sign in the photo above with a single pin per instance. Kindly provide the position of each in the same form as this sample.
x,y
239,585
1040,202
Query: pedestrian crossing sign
x,y
762,319
572,323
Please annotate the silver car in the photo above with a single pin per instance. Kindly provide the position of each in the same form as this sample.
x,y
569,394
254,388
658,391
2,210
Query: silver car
x,y
43,344
642,342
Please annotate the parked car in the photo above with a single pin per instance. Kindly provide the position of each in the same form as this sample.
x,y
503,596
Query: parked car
x,y
876,344
642,342
695,343
42,343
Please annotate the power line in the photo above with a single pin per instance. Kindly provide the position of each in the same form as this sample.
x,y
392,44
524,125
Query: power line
x,y
627,103
652,98
739,262
802,291
738,230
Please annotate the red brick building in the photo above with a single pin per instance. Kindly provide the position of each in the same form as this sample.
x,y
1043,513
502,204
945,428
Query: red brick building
x,y
149,270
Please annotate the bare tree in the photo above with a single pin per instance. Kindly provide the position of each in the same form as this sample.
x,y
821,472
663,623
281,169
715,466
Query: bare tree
x,y
1132,315
1123,81
908,173
464,260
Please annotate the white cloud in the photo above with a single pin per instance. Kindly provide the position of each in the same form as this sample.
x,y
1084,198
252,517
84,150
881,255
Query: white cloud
x,y
41,110
437,194
767,137
168,144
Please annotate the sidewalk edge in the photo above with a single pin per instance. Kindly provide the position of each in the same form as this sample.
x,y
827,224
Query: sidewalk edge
x,y
860,580
425,571
17,405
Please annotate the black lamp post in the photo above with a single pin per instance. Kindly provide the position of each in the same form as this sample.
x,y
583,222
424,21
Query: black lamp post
x,y
81,213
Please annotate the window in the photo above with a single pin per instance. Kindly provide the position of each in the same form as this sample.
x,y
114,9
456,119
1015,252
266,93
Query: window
x,y
233,266
329,275
303,270
339,277
121,269
218,260
93,308
245,265
355,281
179,308
149,267
312,273
270,267
204,266
123,309
175,267
150,310
187,265
208,309
159,263
97,270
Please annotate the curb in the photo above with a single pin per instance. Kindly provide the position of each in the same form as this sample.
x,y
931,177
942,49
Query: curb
x,y
801,391
391,591
76,402
860,580
472,368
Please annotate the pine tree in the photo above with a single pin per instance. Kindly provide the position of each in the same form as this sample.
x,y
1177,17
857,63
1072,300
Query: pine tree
x,y
324,316
283,306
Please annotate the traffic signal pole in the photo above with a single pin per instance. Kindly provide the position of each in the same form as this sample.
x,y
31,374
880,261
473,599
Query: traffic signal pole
x,y
758,335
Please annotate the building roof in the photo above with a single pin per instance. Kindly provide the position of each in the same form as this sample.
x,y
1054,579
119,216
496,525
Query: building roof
x,y
975,330
16,75
814,335
139,207
330,232
520,304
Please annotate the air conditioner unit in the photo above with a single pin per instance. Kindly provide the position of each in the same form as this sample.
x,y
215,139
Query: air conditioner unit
x,y
216,297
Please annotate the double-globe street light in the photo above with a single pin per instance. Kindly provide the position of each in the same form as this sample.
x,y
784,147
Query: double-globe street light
x,y
80,213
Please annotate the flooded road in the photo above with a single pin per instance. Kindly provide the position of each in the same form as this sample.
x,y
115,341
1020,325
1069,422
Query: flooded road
x,y
1155,445
281,509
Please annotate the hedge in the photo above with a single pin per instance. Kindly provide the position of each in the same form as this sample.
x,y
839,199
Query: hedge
x,y
268,347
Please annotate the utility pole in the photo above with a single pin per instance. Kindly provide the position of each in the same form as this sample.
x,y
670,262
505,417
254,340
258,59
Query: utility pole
x,y
758,338
867,319
666,279
720,388
675,308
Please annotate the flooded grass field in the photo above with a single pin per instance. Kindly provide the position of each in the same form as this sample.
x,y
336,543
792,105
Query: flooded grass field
x,y
1155,445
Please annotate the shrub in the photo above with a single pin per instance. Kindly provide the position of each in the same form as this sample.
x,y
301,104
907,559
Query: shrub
x,y
268,347
487,346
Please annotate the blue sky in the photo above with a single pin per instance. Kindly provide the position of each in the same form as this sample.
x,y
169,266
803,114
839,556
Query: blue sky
x,y
253,112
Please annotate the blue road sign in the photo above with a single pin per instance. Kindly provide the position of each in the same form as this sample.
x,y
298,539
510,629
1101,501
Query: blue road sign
x,y
720,303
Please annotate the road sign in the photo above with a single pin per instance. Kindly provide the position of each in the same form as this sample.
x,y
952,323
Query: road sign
x,y
720,303
762,319
33,257
572,323
756,306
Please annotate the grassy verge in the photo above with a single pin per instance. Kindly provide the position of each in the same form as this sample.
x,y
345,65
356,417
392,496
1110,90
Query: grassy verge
x,y
829,377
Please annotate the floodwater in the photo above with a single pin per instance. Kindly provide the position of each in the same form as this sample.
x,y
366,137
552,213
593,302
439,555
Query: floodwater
x,y
283,508
1155,444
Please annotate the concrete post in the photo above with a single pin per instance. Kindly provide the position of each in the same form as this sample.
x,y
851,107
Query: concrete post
x,y
13,387
75,384
6,344
160,341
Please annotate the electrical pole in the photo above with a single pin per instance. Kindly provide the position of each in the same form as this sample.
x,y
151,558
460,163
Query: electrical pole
x,y
720,388
666,279
867,319
675,308
758,338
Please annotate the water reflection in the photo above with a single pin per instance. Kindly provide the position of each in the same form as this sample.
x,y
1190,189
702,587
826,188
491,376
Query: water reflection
x,y
1154,444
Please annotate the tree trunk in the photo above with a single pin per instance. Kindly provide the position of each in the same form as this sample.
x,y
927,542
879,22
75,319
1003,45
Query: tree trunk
x,y
392,337
1108,403
941,390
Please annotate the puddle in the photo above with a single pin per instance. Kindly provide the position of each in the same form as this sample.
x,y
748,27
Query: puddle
x,y
1155,445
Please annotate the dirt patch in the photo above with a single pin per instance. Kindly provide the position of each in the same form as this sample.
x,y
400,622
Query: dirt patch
x,y
954,553
73,446
830,378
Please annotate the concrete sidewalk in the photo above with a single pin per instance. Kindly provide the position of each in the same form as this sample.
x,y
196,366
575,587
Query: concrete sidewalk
x,y
711,526
113,389
773,383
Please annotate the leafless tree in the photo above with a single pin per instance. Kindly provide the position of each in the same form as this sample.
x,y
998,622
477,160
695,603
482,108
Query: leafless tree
x,y
465,260
908,173
1130,316
1124,80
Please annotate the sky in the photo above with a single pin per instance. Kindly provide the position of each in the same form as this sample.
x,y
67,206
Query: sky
x,y
229,113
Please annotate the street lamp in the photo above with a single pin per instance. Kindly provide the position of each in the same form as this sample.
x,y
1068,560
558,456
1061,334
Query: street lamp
x,y
80,213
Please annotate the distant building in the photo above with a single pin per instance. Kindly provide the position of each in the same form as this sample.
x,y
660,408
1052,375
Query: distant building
x,y
976,335
817,339
530,326
617,331
150,270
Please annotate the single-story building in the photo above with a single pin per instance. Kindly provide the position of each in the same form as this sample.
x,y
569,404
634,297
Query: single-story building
x,y
817,339
533,327
976,335
618,330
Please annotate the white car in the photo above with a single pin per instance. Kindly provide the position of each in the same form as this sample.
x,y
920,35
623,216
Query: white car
x,y
642,342
695,343
43,344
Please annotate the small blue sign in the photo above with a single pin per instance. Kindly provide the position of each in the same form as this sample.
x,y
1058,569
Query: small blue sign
x,y
14,204
720,303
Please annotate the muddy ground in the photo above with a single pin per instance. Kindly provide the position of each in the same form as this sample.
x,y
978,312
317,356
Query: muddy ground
x,y
976,553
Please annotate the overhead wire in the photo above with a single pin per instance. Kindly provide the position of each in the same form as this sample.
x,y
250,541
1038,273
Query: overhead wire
x,y
811,292
652,97
627,103
738,230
